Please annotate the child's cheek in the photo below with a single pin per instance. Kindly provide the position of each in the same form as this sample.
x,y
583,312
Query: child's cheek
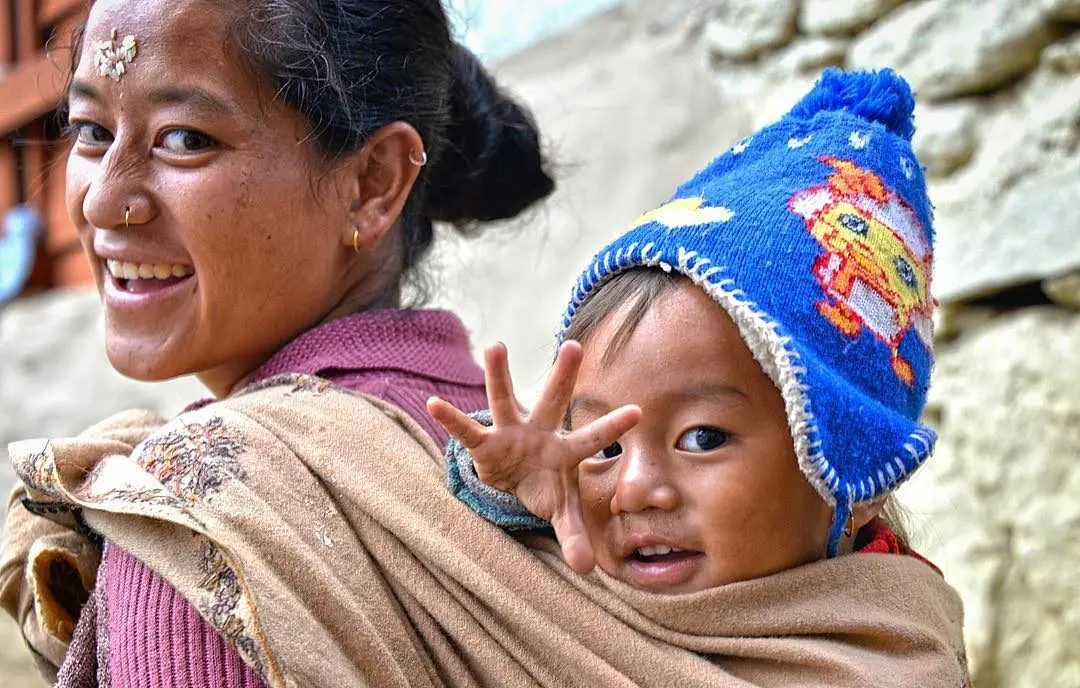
x,y
596,491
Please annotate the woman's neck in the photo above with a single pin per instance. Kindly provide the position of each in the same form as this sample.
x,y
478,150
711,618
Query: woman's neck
x,y
234,375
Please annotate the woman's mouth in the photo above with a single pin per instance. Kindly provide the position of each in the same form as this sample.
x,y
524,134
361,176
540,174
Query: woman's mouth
x,y
146,278
661,566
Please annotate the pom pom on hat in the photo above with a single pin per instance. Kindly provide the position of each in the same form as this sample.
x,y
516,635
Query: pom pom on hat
x,y
881,96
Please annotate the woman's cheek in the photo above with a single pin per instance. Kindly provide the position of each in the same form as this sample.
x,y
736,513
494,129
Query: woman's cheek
x,y
77,184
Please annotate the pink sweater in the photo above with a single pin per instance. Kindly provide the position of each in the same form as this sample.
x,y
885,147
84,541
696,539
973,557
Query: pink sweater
x,y
154,636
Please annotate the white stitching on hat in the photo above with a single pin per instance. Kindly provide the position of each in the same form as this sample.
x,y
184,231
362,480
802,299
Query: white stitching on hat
x,y
771,350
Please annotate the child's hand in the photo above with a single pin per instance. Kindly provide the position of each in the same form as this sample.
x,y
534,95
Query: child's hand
x,y
534,458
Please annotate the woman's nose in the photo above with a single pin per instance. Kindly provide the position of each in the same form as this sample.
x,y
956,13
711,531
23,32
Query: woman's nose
x,y
116,197
644,482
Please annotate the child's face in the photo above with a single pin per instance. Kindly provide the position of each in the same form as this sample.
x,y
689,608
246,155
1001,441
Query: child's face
x,y
709,470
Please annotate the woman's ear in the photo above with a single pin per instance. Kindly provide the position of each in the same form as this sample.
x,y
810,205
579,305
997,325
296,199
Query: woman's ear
x,y
383,175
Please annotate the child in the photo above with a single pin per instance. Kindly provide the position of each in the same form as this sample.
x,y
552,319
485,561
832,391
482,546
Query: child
x,y
742,372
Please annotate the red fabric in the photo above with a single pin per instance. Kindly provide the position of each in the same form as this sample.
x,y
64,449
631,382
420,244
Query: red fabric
x,y
156,638
880,539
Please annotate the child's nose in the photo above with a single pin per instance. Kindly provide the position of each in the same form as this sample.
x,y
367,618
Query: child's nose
x,y
643,483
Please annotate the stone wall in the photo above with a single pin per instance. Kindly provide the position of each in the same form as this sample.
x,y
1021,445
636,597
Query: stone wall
x,y
637,98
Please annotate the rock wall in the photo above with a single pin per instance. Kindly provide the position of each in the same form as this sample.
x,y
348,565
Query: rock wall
x,y
632,102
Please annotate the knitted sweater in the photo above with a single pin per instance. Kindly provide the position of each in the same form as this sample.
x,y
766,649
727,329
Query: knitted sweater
x,y
154,636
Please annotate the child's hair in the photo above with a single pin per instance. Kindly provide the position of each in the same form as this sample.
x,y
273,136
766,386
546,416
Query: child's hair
x,y
633,292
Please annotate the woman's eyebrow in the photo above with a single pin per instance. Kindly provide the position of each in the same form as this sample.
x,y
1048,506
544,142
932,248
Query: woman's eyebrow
x,y
181,95
83,89
169,95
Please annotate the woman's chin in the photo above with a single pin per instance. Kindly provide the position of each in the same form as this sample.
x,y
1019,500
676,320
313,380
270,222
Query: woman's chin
x,y
144,360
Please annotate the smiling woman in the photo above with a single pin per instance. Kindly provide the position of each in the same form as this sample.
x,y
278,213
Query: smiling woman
x,y
208,200
253,183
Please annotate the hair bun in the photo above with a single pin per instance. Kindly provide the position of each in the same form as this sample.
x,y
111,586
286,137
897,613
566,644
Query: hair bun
x,y
492,166
878,96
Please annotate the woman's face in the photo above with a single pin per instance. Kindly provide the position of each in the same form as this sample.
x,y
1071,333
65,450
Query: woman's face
x,y
193,195
706,489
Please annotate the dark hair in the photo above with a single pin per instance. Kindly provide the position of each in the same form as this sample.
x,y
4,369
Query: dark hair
x,y
632,293
350,67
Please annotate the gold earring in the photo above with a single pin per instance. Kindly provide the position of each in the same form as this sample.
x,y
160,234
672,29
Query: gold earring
x,y
356,240
127,216
849,529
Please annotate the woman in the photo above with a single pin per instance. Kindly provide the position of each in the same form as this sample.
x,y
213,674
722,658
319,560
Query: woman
x,y
253,183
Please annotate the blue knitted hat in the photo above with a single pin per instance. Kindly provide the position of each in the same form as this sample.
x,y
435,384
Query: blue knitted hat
x,y
815,236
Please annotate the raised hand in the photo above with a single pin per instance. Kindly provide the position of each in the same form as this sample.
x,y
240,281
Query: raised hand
x,y
534,457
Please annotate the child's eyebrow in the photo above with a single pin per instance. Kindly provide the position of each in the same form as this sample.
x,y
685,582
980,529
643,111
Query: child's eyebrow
x,y
585,404
712,390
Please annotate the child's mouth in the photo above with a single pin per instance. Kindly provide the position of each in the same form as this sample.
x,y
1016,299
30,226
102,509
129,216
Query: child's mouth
x,y
658,553
662,566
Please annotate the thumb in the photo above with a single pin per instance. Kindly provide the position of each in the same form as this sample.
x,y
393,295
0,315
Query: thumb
x,y
573,538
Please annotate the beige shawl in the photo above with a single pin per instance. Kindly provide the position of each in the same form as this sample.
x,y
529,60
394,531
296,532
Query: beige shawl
x,y
313,529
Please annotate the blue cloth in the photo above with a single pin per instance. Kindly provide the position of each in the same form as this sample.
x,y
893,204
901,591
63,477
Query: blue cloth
x,y
815,235
501,508
18,250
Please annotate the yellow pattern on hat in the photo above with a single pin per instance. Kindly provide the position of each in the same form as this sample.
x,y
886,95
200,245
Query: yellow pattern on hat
x,y
684,212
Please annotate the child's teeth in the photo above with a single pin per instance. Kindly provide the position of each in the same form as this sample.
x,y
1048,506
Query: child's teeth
x,y
132,271
657,550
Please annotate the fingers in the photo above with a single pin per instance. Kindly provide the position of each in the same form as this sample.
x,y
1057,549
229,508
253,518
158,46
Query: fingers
x,y
573,537
500,388
600,433
469,432
551,409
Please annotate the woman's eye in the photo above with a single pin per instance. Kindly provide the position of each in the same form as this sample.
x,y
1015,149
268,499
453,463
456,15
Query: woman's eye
x,y
608,452
89,134
186,141
700,440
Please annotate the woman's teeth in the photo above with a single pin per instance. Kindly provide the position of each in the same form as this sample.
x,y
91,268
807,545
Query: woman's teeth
x,y
655,551
146,271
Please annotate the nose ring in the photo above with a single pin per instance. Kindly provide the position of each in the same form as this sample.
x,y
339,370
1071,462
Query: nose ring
x,y
127,216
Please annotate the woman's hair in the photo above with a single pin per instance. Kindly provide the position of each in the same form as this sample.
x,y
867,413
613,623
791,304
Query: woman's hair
x,y
632,293
350,67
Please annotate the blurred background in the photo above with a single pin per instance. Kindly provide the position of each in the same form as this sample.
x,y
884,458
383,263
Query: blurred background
x,y
632,97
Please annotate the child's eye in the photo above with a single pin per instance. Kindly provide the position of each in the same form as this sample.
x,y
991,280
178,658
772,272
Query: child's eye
x,y
608,452
700,440
90,134
186,141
